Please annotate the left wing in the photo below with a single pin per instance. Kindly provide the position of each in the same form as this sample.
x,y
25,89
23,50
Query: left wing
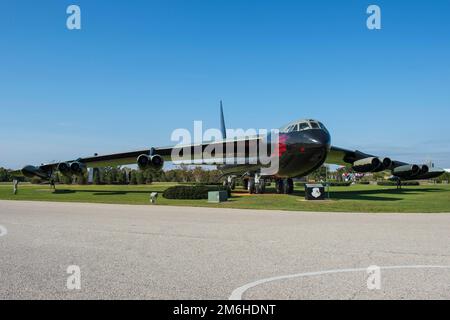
x,y
215,152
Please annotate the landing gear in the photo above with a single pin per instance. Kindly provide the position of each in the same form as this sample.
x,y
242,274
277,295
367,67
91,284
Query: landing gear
x,y
260,184
255,185
284,186
230,182
279,185
251,185
289,186
245,184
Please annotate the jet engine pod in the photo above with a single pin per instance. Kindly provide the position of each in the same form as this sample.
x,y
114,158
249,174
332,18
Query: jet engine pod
x,y
424,169
155,162
142,161
406,171
386,163
64,169
78,168
367,165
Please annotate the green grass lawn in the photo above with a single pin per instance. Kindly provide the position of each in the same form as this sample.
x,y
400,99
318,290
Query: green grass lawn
x,y
356,198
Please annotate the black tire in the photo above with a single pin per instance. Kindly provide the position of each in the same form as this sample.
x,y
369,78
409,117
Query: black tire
x,y
233,185
245,184
251,186
279,186
262,186
290,186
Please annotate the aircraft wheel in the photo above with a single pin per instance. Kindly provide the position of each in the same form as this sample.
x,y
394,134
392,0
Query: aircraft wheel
x,y
288,186
262,186
251,186
279,186
245,184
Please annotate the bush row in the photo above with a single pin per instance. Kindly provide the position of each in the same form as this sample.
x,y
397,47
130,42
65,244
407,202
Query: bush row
x,y
393,183
193,192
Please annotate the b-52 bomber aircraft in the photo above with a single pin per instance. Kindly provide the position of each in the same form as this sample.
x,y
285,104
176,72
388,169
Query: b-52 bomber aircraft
x,y
302,147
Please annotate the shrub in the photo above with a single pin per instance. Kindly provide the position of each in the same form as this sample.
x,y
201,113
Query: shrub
x,y
35,180
363,182
393,183
192,192
340,184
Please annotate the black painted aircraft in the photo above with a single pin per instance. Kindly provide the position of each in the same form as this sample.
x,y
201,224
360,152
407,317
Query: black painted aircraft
x,y
302,147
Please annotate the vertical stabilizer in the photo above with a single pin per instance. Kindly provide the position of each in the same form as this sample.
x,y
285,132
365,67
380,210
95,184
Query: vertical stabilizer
x,y
222,122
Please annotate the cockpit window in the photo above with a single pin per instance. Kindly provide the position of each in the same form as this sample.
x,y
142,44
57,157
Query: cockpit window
x,y
304,125
323,126
314,125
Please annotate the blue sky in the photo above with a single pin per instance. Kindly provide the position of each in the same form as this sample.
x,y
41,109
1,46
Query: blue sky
x,y
140,69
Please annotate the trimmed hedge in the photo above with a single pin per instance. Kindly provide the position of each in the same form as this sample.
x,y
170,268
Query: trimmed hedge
x,y
404,183
192,192
340,184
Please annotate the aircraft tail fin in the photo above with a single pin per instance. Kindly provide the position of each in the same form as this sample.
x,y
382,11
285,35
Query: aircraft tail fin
x,y
222,122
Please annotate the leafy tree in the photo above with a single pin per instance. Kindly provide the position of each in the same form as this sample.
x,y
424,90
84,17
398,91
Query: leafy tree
x,y
83,179
133,178
5,176
121,177
66,180
97,177
140,177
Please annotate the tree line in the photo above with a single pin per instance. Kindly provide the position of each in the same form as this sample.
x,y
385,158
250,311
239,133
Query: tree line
x,y
182,174
122,176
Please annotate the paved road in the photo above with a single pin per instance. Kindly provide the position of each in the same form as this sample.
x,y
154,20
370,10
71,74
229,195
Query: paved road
x,y
157,252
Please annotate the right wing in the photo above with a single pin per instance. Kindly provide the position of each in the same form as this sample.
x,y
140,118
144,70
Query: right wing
x,y
364,162
345,157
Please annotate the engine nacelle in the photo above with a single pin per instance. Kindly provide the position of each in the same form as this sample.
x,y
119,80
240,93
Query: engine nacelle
x,y
407,171
155,162
424,173
366,165
64,169
386,163
424,169
372,164
78,168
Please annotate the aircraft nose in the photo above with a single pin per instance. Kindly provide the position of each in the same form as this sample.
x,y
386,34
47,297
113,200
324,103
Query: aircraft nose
x,y
319,138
